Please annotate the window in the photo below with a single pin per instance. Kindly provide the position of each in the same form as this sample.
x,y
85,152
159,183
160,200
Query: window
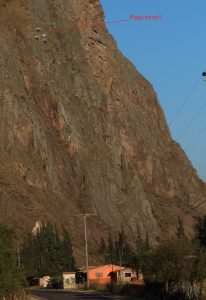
x,y
127,275
99,275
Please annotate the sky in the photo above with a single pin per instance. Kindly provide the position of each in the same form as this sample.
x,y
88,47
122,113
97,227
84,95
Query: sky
x,y
171,53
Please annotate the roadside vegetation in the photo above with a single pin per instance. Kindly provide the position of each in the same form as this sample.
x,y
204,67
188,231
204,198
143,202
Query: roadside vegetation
x,y
46,253
12,279
173,269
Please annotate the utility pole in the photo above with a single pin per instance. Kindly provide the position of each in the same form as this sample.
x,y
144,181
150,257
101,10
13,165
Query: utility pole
x,y
18,255
86,249
86,246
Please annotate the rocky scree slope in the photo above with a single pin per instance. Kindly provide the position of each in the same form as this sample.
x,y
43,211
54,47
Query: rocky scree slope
x,y
81,130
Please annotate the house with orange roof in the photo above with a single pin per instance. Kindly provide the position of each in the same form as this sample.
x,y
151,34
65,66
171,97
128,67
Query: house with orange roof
x,y
98,274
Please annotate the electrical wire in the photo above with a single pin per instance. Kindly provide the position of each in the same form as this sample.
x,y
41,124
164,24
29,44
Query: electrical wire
x,y
193,119
193,208
185,101
195,137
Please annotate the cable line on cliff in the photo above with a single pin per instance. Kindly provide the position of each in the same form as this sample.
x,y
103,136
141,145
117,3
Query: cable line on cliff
x,y
192,121
193,208
195,116
195,137
185,101
201,130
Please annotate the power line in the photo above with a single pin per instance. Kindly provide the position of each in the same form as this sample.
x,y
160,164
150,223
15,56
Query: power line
x,y
195,137
193,119
185,101
194,208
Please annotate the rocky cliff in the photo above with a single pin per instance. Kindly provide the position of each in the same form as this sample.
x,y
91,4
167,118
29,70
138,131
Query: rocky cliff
x,y
81,130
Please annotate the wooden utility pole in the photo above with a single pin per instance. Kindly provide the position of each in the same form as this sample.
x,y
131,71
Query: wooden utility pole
x,y
86,245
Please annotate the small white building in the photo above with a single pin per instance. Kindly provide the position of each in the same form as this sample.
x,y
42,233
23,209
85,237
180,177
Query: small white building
x,y
126,276
69,280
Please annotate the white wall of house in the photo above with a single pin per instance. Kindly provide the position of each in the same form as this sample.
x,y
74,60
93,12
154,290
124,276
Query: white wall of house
x,y
69,280
125,275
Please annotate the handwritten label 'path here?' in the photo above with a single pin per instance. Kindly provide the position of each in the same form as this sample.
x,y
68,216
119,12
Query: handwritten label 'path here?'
x,y
145,17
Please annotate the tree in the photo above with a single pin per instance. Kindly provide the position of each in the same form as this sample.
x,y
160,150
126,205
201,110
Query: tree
x,y
119,252
68,261
146,244
110,255
173,262
175,265
12,279
180,229
168,261
102,249
29,256
200,230
102,246
142,243
142,248
120,246
47,254
125,250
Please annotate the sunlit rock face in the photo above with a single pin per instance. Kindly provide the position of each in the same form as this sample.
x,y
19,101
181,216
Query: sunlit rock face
x,y
81,130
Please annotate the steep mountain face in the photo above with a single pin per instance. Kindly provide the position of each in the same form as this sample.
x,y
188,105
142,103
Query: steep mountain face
x,y
82,131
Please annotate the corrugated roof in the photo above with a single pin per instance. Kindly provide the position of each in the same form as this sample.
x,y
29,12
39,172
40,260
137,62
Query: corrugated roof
x,y
84,270
122,269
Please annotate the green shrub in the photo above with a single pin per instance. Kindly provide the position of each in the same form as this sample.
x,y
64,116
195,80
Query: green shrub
x,y
12,280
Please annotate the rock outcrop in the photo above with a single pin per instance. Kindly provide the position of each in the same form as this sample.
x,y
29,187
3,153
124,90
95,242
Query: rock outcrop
x,y
81,130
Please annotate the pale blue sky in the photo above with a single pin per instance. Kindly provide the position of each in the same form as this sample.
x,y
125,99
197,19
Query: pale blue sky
x,y
171,54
